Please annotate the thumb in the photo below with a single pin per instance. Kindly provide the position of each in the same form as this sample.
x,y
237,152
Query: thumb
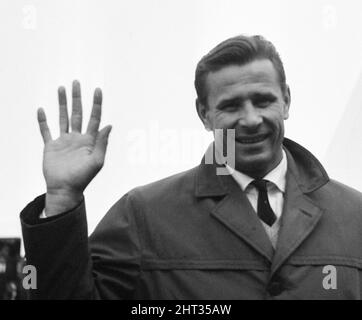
x,y
100,147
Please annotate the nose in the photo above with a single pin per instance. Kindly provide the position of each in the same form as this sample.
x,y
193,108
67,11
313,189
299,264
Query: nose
x,y
250,116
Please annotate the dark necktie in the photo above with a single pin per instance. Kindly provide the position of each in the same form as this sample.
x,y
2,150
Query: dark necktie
x,y
265,212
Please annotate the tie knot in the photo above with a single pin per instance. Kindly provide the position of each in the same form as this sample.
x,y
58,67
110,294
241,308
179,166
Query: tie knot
x,y
260,184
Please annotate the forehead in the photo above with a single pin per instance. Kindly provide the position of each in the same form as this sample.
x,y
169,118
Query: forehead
x,y
232,81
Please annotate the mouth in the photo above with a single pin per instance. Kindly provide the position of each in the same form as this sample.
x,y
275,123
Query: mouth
x,y
252,139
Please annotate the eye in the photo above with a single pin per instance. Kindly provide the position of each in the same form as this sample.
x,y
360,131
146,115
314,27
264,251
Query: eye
x,y
230,107
263,102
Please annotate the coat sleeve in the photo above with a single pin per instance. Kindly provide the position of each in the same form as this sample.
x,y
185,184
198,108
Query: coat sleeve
x,y
70,265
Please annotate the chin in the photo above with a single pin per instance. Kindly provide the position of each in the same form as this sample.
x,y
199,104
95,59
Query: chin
x,y
253,164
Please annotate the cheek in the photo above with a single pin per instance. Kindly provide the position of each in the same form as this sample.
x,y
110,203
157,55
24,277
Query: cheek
x,y
275,117
275,122
278,128
224,120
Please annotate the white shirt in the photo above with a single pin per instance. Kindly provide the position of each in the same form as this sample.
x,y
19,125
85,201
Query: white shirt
x,y
276,192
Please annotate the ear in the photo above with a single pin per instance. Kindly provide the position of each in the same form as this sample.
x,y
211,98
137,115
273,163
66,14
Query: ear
x,y
287,100
202,111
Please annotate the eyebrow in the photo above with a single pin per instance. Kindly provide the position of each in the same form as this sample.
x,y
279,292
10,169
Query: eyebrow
x,y
229,101
268,95
255,95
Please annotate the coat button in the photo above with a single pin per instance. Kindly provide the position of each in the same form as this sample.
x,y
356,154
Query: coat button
x,y
275,288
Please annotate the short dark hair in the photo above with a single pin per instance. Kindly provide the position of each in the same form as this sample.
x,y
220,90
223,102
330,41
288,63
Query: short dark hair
x,y
238,50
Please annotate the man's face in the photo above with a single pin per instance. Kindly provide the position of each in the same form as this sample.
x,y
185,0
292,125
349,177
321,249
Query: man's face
x,y
249,99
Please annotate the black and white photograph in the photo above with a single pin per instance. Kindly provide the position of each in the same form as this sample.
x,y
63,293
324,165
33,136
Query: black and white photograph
x,y
205,150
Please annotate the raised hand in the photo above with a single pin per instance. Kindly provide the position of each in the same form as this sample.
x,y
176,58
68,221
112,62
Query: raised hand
x,y
72,160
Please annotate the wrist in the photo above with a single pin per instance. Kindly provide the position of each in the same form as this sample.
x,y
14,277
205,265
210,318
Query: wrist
x,y
60,201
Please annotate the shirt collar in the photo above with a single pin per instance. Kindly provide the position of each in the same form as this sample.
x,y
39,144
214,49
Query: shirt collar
x,y
277,176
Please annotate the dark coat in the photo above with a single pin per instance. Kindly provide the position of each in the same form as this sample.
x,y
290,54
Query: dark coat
x,y
194,235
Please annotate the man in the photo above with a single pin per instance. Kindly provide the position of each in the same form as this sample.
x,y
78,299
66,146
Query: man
x,y
275,227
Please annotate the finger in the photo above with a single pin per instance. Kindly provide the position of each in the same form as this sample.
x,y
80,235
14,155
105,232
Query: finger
x,y
76,119
44,129
95,118
100,147
63,111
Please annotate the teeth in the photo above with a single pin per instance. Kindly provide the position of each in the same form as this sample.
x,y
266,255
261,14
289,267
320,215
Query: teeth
x,y
255,140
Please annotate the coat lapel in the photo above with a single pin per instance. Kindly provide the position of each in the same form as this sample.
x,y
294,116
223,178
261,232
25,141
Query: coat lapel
x,y
234,210
300,217
236,213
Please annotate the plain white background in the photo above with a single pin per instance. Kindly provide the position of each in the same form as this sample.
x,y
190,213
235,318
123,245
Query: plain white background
x,y
143,55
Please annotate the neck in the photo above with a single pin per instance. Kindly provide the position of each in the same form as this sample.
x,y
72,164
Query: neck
x,y
259,172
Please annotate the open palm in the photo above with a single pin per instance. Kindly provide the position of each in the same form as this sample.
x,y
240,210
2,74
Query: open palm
x,y
73,159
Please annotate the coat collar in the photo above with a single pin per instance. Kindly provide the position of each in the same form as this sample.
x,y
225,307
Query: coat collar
x,y
305,167
307,171
305,174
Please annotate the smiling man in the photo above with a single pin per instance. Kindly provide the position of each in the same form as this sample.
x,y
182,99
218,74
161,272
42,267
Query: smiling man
x,y
267,230
249,99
